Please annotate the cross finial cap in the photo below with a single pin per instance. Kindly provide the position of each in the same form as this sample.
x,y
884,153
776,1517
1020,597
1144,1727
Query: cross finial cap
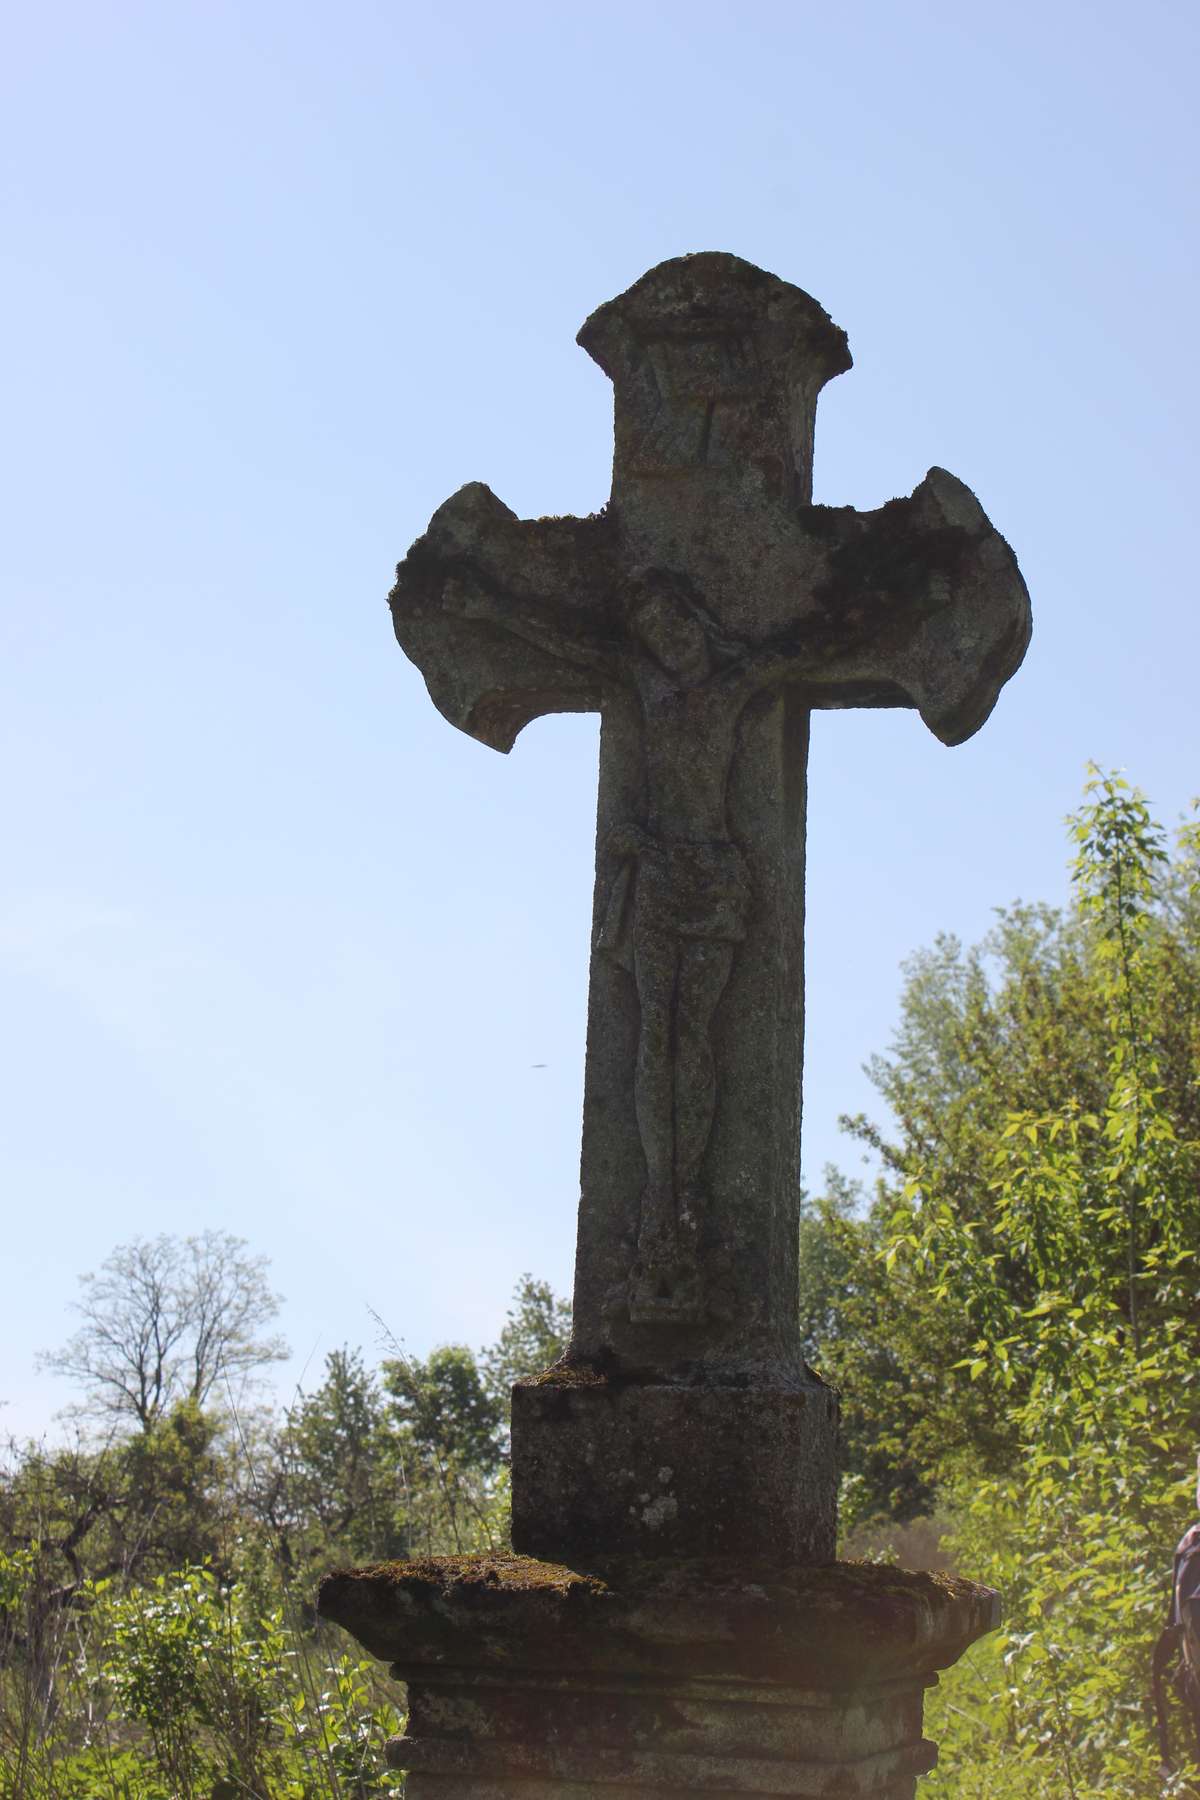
x,y
713,293
710,337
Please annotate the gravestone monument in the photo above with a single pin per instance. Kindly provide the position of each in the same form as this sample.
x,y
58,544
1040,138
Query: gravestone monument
x,y
673,1619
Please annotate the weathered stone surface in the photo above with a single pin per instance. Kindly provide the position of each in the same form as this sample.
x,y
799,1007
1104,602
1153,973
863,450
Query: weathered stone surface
x,y
690,1632
743,1471
720,1676
829,1628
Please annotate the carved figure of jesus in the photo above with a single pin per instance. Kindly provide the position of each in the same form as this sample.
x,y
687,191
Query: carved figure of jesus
x,y
681,893
677,912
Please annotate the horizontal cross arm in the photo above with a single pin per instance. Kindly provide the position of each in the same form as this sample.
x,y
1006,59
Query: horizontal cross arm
x,y
919,603
506,618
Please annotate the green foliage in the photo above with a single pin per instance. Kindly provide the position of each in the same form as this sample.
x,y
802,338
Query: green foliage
x,y
336,1724
163,1640
1067,1272
534,1336
1027,1026
849,1321
449,1415
225,1695
329,1488
449,1446
443,1407
157,1639
178,1689
170,1478
140,1505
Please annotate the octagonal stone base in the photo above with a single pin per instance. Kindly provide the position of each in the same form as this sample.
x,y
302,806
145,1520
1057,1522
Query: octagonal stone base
x,y
533,1681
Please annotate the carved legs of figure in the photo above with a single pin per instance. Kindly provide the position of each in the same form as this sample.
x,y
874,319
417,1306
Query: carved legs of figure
x,y
679,982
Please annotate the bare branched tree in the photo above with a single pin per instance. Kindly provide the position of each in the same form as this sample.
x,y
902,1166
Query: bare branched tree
x,y
164,1320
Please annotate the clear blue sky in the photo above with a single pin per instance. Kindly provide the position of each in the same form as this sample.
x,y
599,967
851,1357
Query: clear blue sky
x,y
278,947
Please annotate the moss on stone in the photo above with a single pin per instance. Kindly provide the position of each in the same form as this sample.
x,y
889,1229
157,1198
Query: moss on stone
x,y
635,1578
513,1574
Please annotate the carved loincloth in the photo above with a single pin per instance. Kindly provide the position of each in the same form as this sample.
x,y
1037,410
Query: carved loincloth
x,y
678,890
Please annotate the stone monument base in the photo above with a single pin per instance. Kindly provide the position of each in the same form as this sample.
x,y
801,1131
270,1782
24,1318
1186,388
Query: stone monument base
x,y
688,1469
656,1678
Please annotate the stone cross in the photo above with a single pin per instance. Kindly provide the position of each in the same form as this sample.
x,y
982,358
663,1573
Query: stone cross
x,y
703,612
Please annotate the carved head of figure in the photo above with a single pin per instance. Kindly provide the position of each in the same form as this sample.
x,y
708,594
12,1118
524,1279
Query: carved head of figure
x,y
664,618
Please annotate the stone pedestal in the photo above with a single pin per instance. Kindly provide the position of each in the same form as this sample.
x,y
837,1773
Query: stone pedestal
x,y
620,1467
657,1678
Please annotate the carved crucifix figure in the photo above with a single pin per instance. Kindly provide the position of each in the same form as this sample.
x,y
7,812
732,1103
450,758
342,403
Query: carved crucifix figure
x,y
704,613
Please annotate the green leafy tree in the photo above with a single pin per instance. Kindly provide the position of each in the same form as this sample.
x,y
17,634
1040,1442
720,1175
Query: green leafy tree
x,y
449,1420
156,1634
172,1333
448,1428
329,1488
234,1703
1021,1025
128,1509
847,1323
534,1336
170,1501
1066,1268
